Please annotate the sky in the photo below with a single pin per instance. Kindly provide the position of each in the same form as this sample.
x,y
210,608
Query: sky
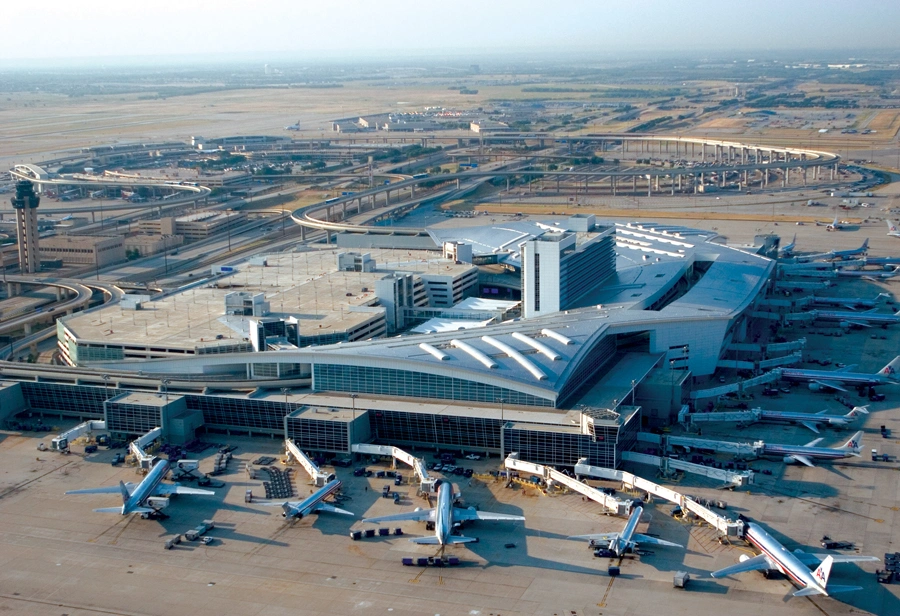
x,y
302,29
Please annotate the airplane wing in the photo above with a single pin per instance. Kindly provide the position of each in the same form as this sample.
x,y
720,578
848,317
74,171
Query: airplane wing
x,y
809,425
423,515
757,563
813,443
812,559
597,537
859,323
332,509
167,489
466,515
654,541
829,385
802,459
104,490
847,368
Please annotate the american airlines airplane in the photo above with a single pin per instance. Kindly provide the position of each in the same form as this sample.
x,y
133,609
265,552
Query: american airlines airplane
x,y
810,420
297,510
831,226
805,454
627,539
134,497
859,319
820,380
795,565
892,229
850,302
445,517
843,255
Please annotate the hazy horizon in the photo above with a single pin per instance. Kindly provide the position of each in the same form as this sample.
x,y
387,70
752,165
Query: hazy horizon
x,y
117,33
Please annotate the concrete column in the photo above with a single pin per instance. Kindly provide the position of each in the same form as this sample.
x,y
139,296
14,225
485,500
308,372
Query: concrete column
x,y
785,180
557,183
703,150
612,184
680,176
302,234
657,184
765,173
649,186
634,183
27,329
507,183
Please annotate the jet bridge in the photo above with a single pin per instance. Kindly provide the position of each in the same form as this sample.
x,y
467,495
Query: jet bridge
x,y
750,450
61,442
611,503
318,477
715,392
723,525
136,447
666,465
426,482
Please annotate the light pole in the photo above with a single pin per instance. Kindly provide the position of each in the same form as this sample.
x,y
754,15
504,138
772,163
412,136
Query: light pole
x,y
285,391
165,384
105,378
633,385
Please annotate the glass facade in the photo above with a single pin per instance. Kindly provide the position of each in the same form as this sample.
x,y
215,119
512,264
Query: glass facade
x,y
85,402
132,418
604,350
318,435
430,430
390,382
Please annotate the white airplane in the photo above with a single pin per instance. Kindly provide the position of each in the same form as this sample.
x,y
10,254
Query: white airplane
x,y
835,225
868,274
867,318
788,250
445,518
627,539
843,255
849,302
805,454
892,229
795,565
313,504
824,379
134,497
810,420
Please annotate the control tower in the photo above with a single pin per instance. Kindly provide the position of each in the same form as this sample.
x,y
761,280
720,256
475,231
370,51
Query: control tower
x,y
25,203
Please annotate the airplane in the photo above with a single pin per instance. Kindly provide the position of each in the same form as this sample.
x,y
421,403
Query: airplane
x,y
858,319
843,255
849,302
788,250
134,497
892,229
810,420
795,565
830,226
293,126
297,510
820,380
868,274
445,517
883,261
627,539
806,453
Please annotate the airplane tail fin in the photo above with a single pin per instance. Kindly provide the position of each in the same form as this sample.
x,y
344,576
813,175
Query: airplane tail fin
x,y
892,370
854,444
857,410
124,489
823,571
865,245
892,228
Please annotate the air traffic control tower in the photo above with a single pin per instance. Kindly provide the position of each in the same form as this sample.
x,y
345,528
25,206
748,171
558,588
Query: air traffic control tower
x,y
25,203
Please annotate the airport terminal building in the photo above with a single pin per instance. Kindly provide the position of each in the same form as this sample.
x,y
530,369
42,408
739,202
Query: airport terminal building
x,y
646,306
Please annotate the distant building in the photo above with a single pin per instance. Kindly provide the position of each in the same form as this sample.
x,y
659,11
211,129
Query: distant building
x,y
152,244
99,251
488,126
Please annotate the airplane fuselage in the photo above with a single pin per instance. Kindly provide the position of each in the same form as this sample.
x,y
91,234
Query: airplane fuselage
x,y
622,543
784,559
145,489
305,507
848,378
443,513
858,317
819,453
834,420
